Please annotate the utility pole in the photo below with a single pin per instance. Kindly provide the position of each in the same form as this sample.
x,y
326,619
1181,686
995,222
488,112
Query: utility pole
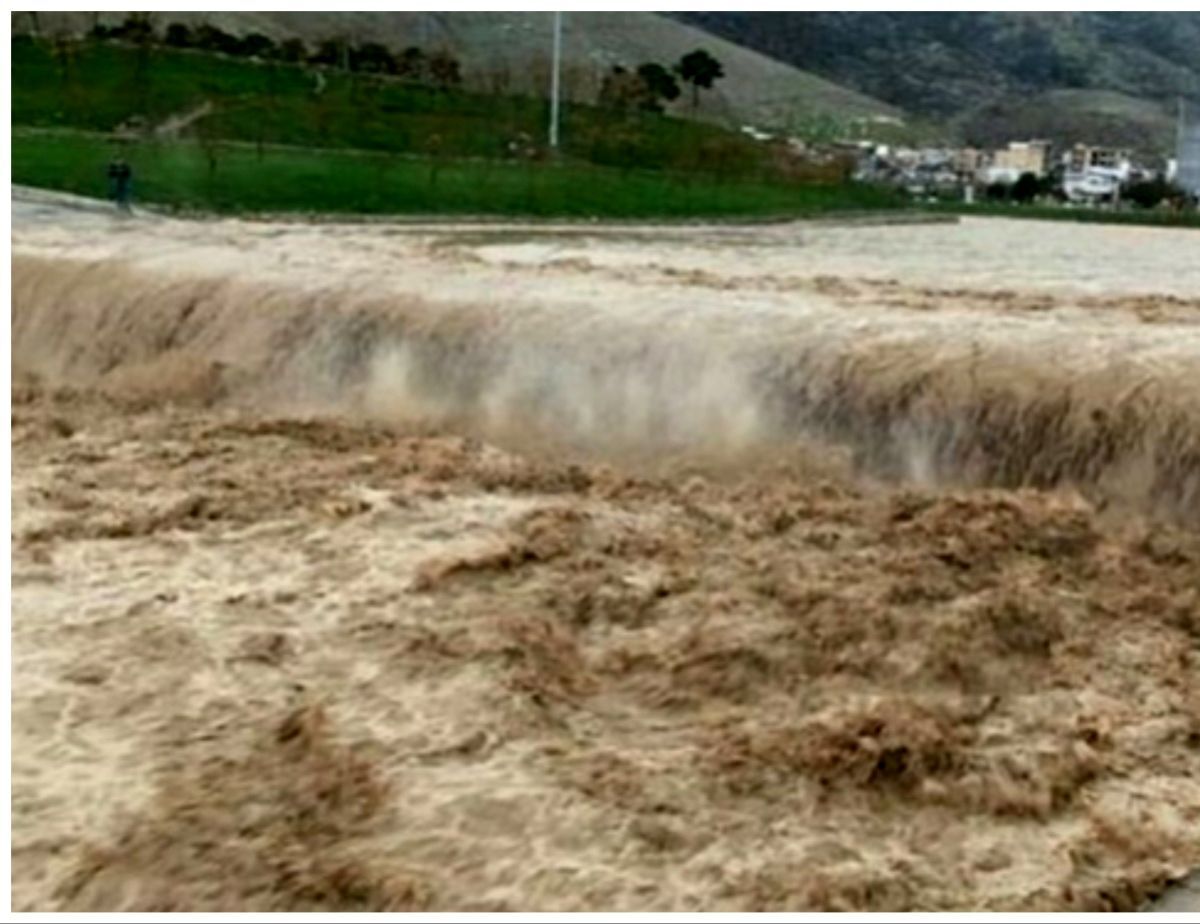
x,y
1180,128
554,80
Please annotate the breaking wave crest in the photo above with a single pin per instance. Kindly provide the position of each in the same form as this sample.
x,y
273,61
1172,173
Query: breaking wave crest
x,y
903,404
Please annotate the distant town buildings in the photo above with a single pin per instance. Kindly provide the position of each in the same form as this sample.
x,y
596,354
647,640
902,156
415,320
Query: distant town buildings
x,y
1021,157
968,162
1082,158
1095,173
1082,173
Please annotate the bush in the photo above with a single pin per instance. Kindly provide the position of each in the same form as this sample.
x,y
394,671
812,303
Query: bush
x,y
660,85
136,28
373,58
293,51
331,53
444,70
210,38
643,89
1150,193
1026,188
411,63
256,45
620,89
178,35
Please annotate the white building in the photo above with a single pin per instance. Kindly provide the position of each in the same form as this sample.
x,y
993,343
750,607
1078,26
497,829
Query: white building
x,y
1094,173
997,174
1090,186
1023,157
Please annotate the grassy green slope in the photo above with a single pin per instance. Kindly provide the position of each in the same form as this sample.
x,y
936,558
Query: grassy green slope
x,y
1151,217
279,138
105,84
513,48
233,177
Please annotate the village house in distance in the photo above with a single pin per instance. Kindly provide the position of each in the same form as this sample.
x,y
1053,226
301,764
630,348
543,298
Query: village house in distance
x,y
1035,169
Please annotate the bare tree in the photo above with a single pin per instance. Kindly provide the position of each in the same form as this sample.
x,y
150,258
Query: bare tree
x,y
498,80
445,70
139,28
66,52
411,64
574,81
435,148
210,147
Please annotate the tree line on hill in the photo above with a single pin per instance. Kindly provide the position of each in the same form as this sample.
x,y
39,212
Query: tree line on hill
x,y
438,67
613,134
651,85
647,88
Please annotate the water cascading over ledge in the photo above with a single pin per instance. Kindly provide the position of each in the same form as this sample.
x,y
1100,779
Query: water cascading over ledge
x,y
907,404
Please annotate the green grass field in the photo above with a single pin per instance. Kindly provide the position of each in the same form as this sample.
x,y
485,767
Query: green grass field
x,y
283,138
99,85
236,177
1133,216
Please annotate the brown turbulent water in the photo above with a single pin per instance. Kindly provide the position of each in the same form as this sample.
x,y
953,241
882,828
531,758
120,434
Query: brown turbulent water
x,y
765,603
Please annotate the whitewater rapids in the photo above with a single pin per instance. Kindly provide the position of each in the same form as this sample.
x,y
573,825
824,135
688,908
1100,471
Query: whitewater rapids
x,y
985,352
714,626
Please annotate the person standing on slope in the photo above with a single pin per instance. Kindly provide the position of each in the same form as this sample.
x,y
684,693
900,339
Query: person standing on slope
x,y
120,183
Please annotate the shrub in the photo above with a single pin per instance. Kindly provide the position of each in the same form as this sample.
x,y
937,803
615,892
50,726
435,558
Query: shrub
x,y
136,28
1149,193
411,63
1026,188
179,35
373,58
444,69
331,52
659,85
293,50
256,45
210,38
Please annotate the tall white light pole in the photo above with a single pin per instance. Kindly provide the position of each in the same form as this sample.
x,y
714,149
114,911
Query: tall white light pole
x,y
1180,124
554,80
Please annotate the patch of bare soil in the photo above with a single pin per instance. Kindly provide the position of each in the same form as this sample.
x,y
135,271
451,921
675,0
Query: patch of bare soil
x,y
299,664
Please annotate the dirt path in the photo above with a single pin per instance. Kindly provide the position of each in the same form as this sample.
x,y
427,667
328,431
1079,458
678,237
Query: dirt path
x,y
173,125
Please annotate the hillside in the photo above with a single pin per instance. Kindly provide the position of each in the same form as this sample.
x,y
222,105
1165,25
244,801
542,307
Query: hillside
x,y
510,52
220,132
985,71
1071,116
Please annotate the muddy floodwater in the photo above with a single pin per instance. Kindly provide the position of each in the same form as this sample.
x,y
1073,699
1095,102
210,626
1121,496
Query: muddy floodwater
x,y
466,567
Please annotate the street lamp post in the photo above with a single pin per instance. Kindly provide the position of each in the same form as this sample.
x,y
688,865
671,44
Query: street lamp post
x,y
554,80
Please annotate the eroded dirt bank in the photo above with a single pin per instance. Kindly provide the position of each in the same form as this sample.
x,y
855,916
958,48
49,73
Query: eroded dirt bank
x,y
290,632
